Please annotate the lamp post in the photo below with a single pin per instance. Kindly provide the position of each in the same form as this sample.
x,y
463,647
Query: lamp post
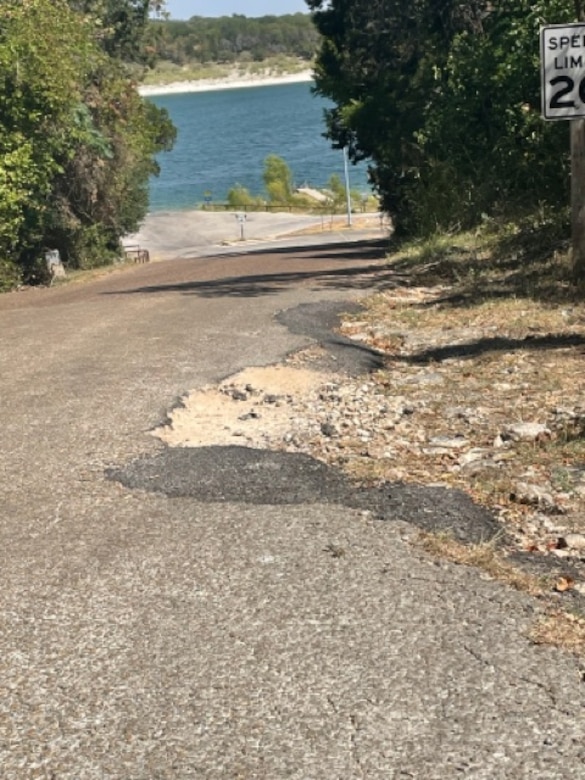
x,y
347,192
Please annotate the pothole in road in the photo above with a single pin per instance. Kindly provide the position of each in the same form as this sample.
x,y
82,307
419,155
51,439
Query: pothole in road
x,y
226,442
254,408
246,475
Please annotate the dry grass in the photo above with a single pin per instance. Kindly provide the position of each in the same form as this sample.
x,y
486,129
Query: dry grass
x,y
564,630
558,627
166,72
486,557
84,276
331,222
495,322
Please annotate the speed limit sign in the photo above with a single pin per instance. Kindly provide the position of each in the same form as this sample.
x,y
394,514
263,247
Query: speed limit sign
x,y
562,58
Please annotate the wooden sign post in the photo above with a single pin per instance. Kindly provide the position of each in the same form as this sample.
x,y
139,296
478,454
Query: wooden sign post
x,y
562,56
578,199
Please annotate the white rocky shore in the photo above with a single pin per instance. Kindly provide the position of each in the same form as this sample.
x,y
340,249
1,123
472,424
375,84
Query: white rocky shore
x,y
234,81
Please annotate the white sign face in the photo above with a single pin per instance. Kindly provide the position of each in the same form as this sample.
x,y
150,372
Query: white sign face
x,y
562,58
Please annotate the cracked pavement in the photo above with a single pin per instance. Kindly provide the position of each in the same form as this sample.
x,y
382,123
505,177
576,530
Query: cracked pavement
x,y
147,636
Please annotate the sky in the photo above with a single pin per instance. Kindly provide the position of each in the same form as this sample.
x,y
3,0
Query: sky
x,y
185,9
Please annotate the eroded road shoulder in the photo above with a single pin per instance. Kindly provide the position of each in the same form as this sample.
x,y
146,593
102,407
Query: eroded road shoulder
x,y
242,441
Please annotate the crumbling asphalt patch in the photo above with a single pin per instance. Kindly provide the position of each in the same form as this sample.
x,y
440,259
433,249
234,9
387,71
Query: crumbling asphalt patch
x,y
319,321
263,477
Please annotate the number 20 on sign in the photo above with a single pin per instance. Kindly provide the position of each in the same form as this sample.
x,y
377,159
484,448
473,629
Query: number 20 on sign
x,y
562,58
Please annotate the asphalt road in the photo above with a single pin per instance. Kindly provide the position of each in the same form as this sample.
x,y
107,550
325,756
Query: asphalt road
x,y
148,635
195,233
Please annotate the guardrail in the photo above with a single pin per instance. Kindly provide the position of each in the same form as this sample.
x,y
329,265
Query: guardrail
x,y
136,252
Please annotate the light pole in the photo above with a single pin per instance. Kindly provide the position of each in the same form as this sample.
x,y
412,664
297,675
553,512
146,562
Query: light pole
x,y
347,192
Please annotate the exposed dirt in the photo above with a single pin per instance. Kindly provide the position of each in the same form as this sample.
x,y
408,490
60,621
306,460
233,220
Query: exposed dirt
x,y
252,408
485,397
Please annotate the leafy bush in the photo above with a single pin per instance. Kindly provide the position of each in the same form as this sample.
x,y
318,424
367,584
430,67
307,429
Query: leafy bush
x,y
239,197
10,275
278,179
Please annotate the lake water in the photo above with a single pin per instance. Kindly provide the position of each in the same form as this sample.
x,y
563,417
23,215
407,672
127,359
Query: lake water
x,y
225,136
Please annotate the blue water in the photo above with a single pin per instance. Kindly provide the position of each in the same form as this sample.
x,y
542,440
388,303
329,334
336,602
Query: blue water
x,y
225,136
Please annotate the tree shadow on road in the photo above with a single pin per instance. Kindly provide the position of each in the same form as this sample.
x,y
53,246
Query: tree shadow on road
x,y
255,285
339,266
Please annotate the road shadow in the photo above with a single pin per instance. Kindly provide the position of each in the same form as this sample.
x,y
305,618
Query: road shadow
x,y
352,274
255,285
365,249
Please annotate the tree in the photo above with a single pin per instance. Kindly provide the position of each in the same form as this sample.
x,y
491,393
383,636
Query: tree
x,y
102,193
484,143
278,179
77,142
120,26
40,85
443,97
376,64
203,39
239,197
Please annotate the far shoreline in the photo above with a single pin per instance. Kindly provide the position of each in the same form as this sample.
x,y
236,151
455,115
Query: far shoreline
x,y
229,82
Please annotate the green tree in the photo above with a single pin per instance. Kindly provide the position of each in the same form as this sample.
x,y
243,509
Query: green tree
x,y
376,63
443,97
234,37
41,81
77,142
239,197
278,179
337,190
102,192
121,27
484,147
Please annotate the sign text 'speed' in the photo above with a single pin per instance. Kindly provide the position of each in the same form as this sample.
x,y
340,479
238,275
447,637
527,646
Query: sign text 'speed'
x,y
566,41
562,50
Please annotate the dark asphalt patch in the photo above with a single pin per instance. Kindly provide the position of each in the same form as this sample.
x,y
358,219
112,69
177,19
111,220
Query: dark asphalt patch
x,y
263,477
319,321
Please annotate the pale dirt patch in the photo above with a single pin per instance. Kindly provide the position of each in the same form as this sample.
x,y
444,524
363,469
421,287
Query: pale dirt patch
x,y
252,408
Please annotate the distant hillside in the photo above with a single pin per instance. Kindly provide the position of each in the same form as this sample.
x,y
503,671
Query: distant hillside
x,y
231,39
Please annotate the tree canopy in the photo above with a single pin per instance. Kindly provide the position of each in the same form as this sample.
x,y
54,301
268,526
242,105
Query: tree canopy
x,y
231,38
443,97
77,142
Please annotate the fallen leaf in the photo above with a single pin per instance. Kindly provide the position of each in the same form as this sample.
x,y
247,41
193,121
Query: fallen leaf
x,y
564,584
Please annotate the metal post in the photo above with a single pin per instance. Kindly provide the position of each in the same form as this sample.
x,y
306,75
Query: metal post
x,y
242,220
578,185
578,199
347,192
